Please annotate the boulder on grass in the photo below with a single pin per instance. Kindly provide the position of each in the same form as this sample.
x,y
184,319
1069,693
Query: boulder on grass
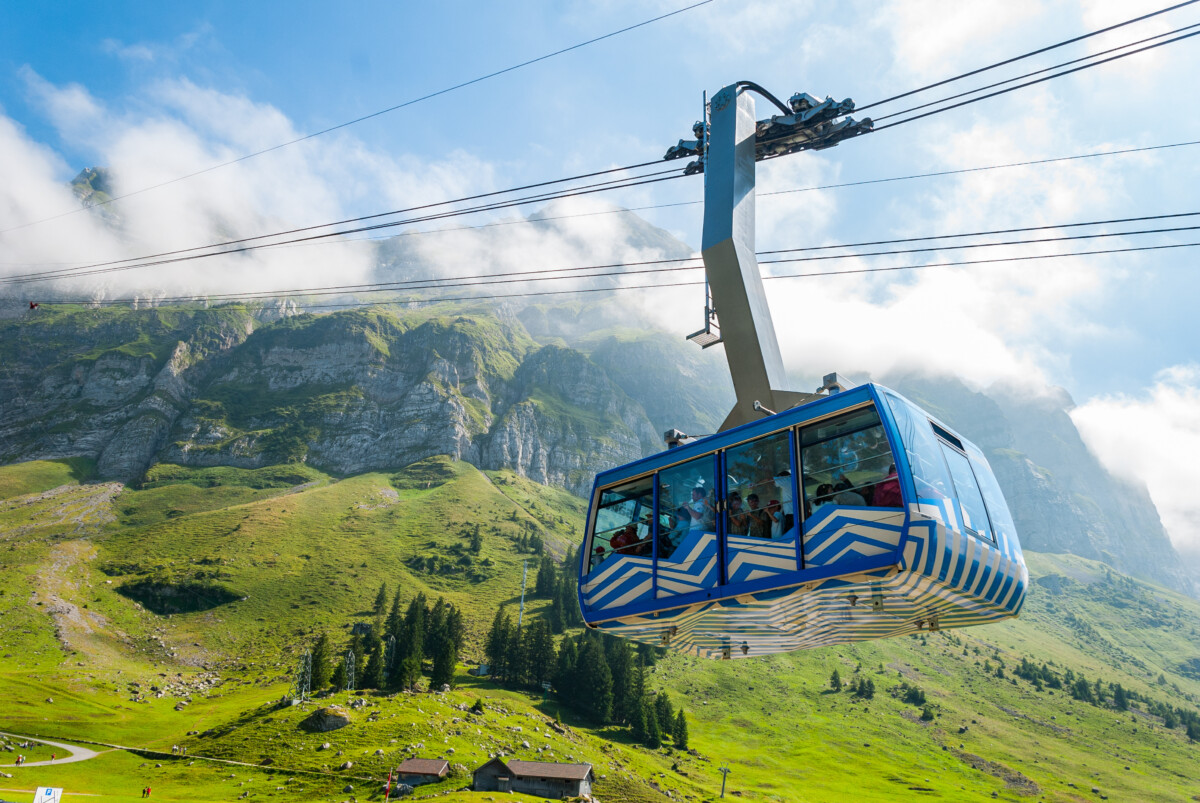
x,y
326,719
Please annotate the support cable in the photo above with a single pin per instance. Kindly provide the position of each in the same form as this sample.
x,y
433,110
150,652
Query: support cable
x,y
1027,55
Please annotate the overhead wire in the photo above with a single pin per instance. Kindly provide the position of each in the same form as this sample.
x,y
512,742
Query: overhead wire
x,y
184,256
1030,54
363,118
576,272
667,285
374,216
647,207
1037,72
1043,79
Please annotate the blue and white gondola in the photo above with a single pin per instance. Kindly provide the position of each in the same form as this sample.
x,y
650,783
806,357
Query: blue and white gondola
x,y
940,553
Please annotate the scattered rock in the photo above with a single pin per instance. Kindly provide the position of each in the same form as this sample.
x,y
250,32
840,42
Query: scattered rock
x,y
49,699
325,746
346,765
348,788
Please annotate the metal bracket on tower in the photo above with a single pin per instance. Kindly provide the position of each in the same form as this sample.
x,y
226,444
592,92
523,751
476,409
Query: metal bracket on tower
x,y
729,140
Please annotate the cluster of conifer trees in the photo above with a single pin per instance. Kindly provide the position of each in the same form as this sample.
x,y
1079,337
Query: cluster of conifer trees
x,y
390,653
597,676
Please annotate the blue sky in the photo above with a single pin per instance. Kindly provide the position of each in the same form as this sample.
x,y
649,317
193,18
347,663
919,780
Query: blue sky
x,y
158,90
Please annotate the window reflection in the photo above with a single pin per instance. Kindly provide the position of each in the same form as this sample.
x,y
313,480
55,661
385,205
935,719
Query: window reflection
x,y
847,461
623,522
759,488
687,504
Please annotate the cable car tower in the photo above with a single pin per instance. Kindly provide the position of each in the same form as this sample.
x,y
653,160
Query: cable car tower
x,y
808,519
729,141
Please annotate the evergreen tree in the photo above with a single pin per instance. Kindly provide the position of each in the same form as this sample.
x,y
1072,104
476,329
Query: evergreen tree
x,y
637,722
381,599
554,616
665,712
927,714
414,629
322,660
835,681
338,678
394,626
496,646
1193,731
444,660
620,663
539,652
373,676
1120,697
406,674
653,734
516,659
547,578
455,628
595,680
564,671
435,625
476,540
680,732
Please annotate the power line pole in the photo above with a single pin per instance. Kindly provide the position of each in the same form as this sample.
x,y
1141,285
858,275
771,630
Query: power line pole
x,y
724,776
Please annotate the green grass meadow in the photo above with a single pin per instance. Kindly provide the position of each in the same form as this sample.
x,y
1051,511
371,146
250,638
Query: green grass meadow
x,y
262,561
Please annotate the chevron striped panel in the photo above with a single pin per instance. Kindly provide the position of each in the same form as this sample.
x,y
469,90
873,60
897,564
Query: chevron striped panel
x,y
837,532
944,577
692,567
754,558
618,580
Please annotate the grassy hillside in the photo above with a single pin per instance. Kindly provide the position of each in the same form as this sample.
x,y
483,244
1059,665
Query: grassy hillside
x,y
202,585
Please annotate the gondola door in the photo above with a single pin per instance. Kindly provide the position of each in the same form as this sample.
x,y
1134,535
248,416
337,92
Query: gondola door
x,y
757,512
688,559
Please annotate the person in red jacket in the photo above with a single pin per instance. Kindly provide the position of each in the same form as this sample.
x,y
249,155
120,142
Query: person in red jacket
x,y
887,493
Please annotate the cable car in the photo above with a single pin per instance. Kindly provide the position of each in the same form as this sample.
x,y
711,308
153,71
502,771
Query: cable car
x,y
850,515
856,516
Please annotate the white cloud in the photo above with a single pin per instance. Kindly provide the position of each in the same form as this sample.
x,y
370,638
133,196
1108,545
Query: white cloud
x,y
1154,438
188,130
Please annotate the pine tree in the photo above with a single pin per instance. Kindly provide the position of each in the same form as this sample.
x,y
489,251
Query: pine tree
x,y
414,629
476,540
680,732
338,678
546,578
665,712
516,659
927,714
653,734
595,680
373,676
637,722
1193,731
407,673
444,660
321,663
539,652
1120,697
564,671
395,619
620,663
496,646
381,600
835,681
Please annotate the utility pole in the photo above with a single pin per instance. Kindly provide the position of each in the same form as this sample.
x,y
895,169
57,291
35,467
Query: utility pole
x,y
724,776
729,142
